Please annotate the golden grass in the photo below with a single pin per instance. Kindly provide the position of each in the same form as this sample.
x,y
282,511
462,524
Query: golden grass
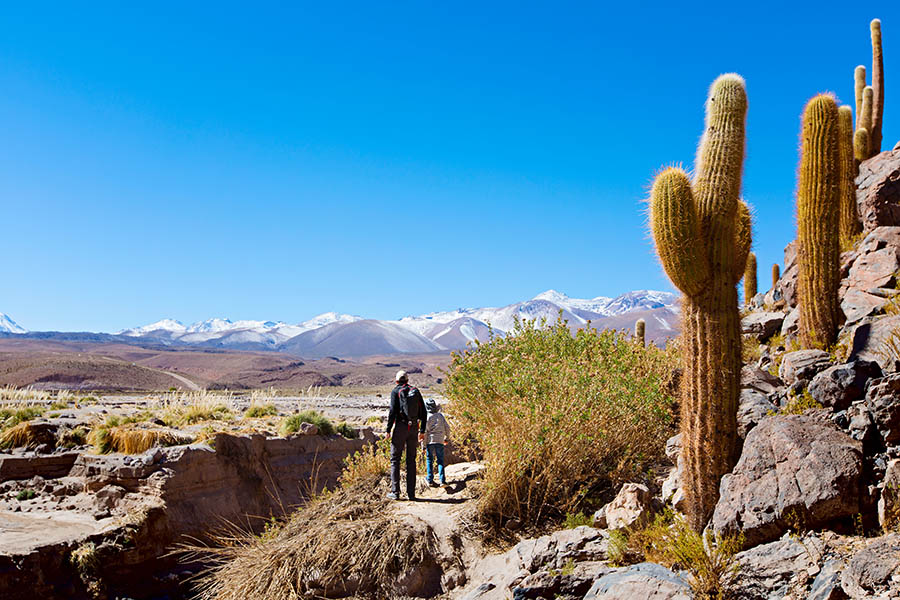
x,y
342,543
22,435
128,439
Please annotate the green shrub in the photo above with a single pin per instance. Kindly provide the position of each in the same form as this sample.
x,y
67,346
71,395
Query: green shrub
x,y
560,419
578,519
292,423
25,495
798,405
12,416
347,430
261,410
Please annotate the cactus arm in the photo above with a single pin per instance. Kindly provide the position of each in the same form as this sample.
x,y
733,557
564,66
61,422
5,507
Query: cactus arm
x,y
750,278
860,145
877,89
676,231
849,219
859,83
743,238
866,116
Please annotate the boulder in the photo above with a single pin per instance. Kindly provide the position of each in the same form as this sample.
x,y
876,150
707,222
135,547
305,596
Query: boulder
x,y
869,337
827,584
875,269
753,407
762,325
791,324
802,365
631,506
760,380
771,570
838,386
555,584
883,398
868,573
857,304
643,581
794,470
788,285
878,190
889,503
671,490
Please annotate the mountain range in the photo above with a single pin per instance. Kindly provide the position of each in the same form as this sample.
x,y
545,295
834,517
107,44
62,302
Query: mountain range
x,y
342,335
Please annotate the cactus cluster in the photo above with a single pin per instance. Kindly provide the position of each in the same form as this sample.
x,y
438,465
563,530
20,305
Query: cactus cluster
x,y
848,213
750,278
640,327
701,230
869,100
818,223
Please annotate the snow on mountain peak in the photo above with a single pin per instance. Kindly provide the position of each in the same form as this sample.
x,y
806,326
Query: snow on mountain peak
x,y
170,325
10,326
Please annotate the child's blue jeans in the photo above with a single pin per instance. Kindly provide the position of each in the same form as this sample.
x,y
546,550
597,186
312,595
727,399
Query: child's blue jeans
x,y
435,453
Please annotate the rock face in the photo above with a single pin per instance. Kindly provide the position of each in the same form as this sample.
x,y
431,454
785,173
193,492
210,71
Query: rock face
x,y
838,386
878,190
793,471
643,581
802,365
869,573
631,506
883,398
156,500
869,337
762,325
770,570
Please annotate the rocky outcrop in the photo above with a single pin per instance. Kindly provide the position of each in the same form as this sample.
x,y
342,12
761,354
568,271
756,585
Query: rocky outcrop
x,y
630,507
838,386
772,570
131,510
803,365
762,325
878,190
883,398
869,572
793,471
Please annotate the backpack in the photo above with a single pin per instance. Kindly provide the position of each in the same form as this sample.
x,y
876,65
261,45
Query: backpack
x,y
410,402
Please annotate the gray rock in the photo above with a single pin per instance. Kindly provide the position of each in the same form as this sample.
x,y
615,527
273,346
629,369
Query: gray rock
x,y
870,569
889,503
754,406
827,584
861,427
857,304
868,338
802,365
760,380
878,190
883,398
631,506
838,386
768,571
791,324
643,581
481,591
792,469
763,325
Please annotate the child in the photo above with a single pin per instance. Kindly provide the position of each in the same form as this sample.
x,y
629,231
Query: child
x,y
437,432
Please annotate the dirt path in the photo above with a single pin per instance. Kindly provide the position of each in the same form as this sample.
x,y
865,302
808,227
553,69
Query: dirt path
x,y
190,384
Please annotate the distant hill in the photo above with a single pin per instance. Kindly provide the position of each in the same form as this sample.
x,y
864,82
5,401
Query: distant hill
x,y
335,334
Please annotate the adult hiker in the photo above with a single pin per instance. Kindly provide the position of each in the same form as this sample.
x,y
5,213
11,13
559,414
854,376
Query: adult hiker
x,y
407,418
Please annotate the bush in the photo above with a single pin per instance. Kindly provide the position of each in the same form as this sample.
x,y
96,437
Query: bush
x,y
560,419
292,423
347,430
25,495
261,410
10,416
574,520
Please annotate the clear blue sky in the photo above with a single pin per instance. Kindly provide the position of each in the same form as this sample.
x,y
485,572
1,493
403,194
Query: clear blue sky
x,y
274,161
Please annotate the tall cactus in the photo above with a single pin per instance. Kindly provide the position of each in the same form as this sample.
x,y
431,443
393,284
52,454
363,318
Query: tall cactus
x,y
817,223
750,278
640,327
702,236
776,275
859,83
849,216
877,88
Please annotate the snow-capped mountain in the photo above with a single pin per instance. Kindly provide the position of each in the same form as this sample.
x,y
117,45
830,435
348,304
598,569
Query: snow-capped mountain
x,y
10,326
335,334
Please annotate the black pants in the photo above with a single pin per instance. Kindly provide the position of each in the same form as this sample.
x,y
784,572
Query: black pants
x,y
405,435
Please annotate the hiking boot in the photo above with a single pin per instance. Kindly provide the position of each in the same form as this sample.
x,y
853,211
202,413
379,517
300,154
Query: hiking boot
x,y
444,484
392,496
431,483
412,498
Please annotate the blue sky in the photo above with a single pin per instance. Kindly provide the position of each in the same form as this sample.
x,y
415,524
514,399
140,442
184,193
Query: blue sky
x,y
275,161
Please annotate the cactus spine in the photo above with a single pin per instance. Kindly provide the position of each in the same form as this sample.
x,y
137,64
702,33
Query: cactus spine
x,y
849,219
860,146
702,236
776,275
859,83
817,223
877,88
750,278
640,327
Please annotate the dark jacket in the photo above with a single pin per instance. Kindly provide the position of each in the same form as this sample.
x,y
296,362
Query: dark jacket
x,y
396,414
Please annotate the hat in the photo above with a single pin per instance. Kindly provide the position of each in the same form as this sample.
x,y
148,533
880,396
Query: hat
x,y
401,376
430,405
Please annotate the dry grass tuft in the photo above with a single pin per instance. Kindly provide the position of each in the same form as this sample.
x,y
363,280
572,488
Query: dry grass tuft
x,y
22,435
134,440
342,543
